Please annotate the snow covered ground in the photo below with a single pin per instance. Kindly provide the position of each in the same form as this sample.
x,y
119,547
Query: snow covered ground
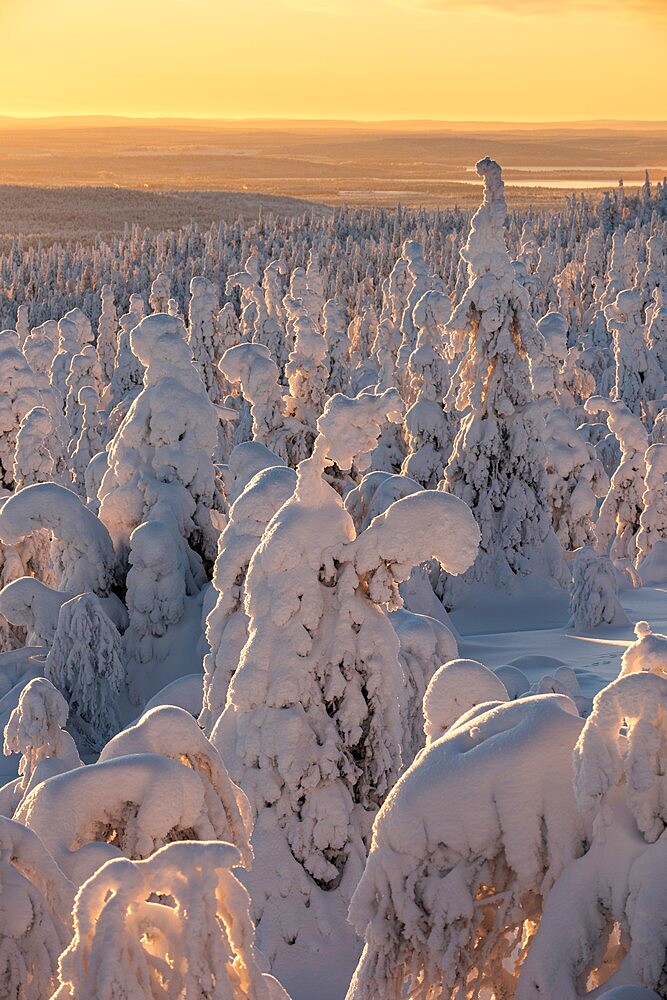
x,y
332,598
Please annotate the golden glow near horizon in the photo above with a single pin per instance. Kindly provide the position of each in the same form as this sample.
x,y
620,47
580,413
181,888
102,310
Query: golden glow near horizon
x,y
490,60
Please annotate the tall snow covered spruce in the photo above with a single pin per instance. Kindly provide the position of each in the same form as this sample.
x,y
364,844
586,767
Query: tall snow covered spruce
x,y
497,462
314,735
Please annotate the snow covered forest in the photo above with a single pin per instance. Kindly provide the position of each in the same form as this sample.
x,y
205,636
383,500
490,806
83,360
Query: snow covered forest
x,y
333,561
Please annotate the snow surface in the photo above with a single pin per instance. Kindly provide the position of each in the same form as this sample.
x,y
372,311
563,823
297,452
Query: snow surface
x,y
333,633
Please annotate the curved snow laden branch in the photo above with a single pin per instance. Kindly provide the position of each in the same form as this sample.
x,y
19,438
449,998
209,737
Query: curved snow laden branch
x,y
173,733
82,549
422,526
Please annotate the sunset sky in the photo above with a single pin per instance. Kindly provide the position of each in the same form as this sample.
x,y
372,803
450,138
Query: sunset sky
x,y
516,60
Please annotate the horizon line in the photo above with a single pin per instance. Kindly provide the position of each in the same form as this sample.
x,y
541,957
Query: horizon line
x,y
276,119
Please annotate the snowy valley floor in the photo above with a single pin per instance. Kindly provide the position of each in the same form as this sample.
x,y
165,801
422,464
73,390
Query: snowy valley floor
x,y
525,633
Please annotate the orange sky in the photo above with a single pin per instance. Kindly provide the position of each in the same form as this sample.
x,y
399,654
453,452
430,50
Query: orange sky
x,y
521,60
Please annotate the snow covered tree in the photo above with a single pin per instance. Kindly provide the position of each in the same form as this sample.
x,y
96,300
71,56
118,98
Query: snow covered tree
x,y
84,371
497,463
160,293
33,460
89,442
575,480
227,622
128,373
465,849
22,324
639,379
656,334
34,607
602,921
316,591
338,347
653,518
429,430
36,730
175,925
85,663
19,396
594,591
33,926
107,333
162,453
307,376
74,332
156,593
119,805
202,335
618,519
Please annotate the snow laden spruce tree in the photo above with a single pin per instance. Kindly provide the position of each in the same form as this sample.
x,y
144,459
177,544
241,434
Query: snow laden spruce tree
x,y
160,460
497,463
85,664
465,849
315,719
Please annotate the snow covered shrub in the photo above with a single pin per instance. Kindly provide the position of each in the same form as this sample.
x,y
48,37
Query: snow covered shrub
x,y
81,550
647,653
594,591
85,663
36,730
37,899
176,925
497,463
455,688
465,849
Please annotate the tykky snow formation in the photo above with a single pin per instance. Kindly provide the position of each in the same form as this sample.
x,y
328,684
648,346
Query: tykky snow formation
x,y
333,557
